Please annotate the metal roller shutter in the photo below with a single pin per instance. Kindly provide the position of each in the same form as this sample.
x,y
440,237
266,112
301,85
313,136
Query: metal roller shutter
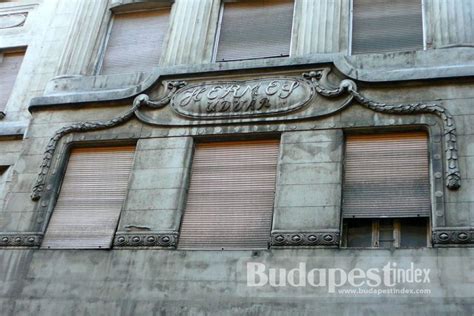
x,y
10,64
135,42
255,29
230,199
387,25
91,197
386,175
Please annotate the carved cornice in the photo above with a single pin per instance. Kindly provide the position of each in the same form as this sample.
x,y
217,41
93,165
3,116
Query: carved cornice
x,y
453,236
349,87
20,239
167,240
285,239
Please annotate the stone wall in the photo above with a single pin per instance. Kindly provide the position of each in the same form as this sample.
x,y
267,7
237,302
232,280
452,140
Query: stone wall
x,y
308,196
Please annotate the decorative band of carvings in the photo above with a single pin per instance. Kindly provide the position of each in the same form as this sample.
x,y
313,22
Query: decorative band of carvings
x,y
146,239
453,236
16,239
279,239
453,175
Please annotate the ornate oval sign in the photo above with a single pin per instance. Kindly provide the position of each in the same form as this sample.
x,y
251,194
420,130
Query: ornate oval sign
x,y
12,20
242,98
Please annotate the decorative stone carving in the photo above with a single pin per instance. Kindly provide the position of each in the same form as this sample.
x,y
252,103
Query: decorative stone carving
x,y
146,239
264,97
453,175
250,98
8,21
280,239
453,236
20,239
81,127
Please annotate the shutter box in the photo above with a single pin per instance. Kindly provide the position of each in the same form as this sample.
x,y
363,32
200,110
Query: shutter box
x,y
10,64
386,175
387,26
91,197
230,198
255,29
136,41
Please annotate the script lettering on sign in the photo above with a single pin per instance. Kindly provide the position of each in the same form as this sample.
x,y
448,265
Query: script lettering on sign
x,y
242,98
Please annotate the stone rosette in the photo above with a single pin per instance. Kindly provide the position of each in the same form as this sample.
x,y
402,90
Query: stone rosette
x,y
166,240
20,239
285,239
453,236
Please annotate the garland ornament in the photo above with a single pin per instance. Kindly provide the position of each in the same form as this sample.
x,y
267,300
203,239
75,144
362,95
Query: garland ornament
x,y
81,127
346,87
453,176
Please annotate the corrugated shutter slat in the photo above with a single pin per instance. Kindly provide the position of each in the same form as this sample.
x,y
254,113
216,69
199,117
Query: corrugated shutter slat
x,y
387,25
255,29
230,198
88,208
9,67
387,175
135,41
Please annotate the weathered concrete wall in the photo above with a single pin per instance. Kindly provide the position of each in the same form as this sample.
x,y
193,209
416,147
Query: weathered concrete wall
x,y
308,191
141,282
158,185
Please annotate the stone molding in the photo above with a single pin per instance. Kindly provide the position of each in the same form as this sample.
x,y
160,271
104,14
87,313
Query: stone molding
x,y
167,240
20,239
297,239
453,236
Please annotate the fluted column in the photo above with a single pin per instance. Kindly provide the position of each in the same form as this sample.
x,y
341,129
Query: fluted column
x,y
320,26
192,30
85,36
449,22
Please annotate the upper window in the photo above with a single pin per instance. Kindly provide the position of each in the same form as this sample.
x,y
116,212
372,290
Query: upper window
x,y
9,66
386,25
91,197
135,42
386,183
230,198
255,29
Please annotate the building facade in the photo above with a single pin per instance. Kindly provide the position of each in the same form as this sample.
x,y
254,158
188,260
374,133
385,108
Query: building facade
x,y
183,157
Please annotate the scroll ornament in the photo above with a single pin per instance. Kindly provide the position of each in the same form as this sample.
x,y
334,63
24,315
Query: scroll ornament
x,y
313,78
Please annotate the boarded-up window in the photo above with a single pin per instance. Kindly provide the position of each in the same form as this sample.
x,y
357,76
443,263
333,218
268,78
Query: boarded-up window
x,y
91,197
9,66
136,41
230,199
255,29
386,175
387,25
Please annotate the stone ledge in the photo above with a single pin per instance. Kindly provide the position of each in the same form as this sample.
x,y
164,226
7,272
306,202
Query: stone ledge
x,y
389,67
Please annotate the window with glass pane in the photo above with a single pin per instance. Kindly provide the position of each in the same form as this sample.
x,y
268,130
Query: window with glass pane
x,y
386,190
